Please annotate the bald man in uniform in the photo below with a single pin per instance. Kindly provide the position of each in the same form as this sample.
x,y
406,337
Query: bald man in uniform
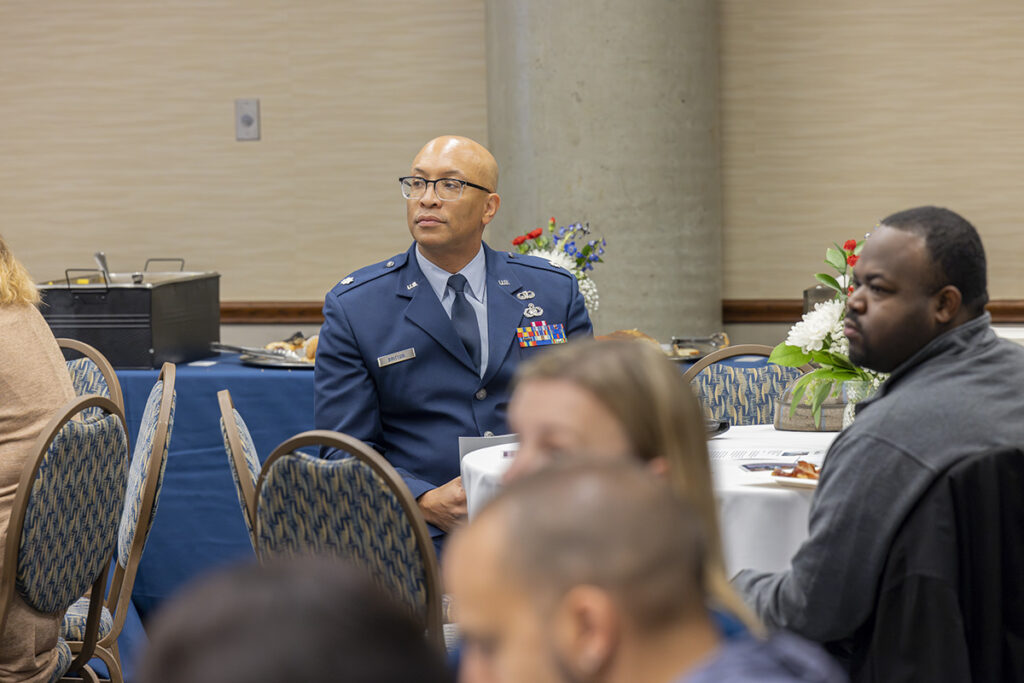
x,y
419,349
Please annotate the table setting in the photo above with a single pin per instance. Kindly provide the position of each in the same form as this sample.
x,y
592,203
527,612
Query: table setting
x,y
762,516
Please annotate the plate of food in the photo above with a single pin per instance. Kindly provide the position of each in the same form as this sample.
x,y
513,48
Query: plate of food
x,y
295,352
679,353
801,474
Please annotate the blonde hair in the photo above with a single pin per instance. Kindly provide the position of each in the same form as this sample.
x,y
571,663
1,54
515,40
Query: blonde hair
x,y
661,417
16,287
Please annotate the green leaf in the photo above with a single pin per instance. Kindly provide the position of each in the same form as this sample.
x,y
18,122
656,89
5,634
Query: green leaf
x,y
821,392
790,356
856,250
835,258
828,281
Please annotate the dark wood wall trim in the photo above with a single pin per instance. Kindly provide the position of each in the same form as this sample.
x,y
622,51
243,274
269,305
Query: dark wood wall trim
x,y
271,312
733,311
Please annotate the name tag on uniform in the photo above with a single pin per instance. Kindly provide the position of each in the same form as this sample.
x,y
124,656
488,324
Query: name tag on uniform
x,y
396,357
540,334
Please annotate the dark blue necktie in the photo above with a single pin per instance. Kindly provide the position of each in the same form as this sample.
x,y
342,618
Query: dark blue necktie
x,y
464,319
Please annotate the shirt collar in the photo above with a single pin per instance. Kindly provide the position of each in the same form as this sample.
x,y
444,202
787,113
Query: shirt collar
x,y
475,273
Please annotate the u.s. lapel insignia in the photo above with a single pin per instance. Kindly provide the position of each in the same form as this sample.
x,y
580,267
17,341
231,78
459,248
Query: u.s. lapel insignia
x,y
533,311
389,264
412,285
525,295
347,281
504,283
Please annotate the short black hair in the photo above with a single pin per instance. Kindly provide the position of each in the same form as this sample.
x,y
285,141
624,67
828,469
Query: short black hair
x,y
303,619
955,247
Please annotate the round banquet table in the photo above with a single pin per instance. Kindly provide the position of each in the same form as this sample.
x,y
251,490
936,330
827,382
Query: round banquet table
x,y
762,522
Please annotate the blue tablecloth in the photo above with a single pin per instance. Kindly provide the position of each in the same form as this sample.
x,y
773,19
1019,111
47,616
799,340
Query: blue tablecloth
x,y
198,524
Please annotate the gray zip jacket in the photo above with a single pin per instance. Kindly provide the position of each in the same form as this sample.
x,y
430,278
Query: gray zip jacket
x,y
961,393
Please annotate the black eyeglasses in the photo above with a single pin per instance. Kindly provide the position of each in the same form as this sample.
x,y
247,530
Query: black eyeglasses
x,y
446,189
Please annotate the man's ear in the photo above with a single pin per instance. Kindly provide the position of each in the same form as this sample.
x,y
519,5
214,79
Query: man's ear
x,y
493,202
587,631
947,304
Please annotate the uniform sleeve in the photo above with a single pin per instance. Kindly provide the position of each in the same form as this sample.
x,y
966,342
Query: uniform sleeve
x,y
577,319
345,398
829,590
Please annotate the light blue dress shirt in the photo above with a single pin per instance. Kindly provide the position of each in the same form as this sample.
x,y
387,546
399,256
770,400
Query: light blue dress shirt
x,y
475,273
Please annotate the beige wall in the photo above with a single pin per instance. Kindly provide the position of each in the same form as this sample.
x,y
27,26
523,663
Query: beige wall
x,y
837,114
116,131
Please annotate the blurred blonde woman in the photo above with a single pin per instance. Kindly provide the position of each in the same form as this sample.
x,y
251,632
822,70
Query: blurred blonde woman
x,y
615,399
34,384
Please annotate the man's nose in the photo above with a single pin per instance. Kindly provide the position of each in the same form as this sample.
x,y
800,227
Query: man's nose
x,y
855,301
430,197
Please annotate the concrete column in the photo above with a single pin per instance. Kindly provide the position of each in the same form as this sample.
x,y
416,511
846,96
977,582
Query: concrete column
x,y
607,111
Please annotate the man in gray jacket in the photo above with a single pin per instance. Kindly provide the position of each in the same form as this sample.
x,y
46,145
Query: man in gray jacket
x,y
917,311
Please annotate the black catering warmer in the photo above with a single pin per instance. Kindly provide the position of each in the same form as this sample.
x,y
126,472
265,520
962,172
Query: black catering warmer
x,y
137,320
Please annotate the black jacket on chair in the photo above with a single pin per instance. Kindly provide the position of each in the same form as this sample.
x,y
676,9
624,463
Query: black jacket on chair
x,y
950,605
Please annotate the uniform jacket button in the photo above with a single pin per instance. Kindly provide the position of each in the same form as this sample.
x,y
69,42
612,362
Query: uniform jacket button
x,y
488,433
481,395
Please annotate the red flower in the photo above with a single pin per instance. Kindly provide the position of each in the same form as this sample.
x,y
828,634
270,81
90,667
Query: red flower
x,y
519,240
852,259
849,290
534,234
850,245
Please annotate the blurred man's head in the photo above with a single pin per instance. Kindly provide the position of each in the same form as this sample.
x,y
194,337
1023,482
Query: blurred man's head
x,y
302,620
920,274
447,218
571,571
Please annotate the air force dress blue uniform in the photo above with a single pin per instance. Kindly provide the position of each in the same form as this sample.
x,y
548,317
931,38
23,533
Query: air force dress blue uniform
x,y
392,371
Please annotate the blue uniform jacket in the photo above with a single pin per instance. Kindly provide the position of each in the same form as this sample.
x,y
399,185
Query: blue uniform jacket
x,y
414,410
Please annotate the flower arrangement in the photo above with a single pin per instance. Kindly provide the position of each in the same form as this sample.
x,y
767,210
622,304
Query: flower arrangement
x,y
818,338
560,248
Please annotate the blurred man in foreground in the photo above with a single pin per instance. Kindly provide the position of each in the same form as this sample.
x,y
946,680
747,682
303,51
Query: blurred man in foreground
x,y
307,619
594,572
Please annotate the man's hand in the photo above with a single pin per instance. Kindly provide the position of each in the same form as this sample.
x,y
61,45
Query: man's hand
x,y
445,506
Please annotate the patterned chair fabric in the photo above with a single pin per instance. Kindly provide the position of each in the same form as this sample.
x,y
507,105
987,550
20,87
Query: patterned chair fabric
x,y
87,379
76,619
743,392
252,465
137,475
340,507
64,659
71,517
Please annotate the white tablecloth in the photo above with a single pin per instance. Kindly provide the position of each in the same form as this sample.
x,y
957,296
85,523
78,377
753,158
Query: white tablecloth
x,y
762,522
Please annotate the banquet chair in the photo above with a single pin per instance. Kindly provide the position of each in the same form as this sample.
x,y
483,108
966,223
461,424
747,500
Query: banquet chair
x,y
91,372
64,524
145,478
950,603
242,457
356,508
742,391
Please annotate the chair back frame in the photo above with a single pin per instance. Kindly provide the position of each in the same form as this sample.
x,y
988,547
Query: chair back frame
x,y
123,581
106,369
17,522
237,455
387,472
722,354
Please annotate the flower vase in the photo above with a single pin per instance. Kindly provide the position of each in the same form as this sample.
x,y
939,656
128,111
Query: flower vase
x,y
800,419
855,391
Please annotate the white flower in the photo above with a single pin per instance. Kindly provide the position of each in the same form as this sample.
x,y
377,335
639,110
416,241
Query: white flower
x,y
556,257
589,291
809,334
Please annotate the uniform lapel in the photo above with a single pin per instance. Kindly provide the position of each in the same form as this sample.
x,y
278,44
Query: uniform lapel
x,y
504,311
426,312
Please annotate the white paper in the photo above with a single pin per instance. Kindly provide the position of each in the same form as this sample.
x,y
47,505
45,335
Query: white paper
x,y
468,444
